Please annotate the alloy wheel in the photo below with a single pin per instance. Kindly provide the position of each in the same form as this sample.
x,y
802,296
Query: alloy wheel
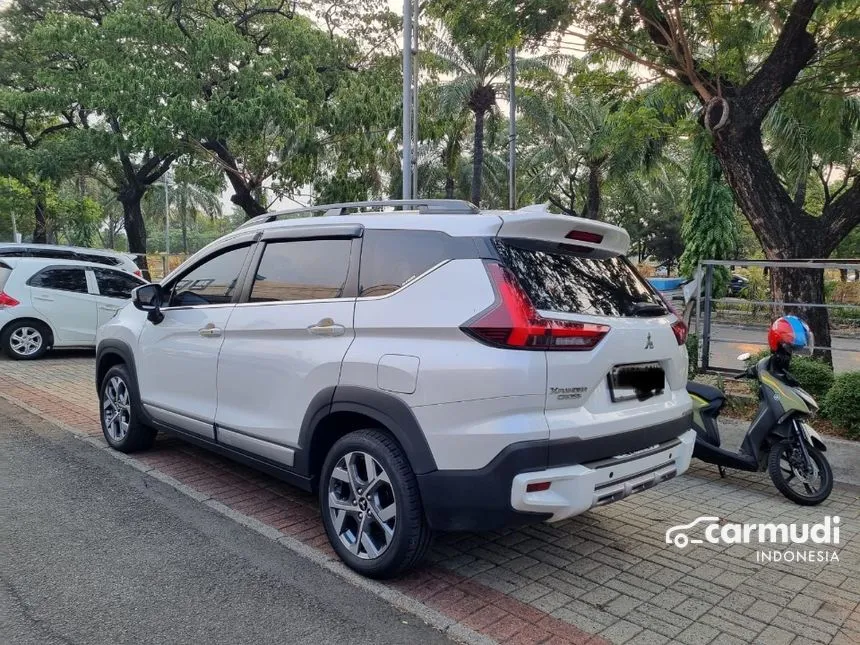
x,y
362,505
26,341
116,408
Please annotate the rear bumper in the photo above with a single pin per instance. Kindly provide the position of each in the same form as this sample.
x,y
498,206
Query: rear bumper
x,y
494,496
575,489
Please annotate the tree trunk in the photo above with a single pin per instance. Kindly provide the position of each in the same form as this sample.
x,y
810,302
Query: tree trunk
x,y
135,227
805,285
783,229
243,197
243,191
449,187
592,204
478,158
40,233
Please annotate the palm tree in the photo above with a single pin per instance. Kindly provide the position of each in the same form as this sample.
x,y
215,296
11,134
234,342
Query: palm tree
x,y
800,146
579,141
475,78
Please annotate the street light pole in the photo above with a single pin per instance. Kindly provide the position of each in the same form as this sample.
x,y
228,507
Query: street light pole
x,y
512,131
166,222
407,99
415,12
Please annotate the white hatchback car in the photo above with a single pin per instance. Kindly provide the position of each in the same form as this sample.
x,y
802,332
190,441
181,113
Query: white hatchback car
x,y
47,303
107,257
440,369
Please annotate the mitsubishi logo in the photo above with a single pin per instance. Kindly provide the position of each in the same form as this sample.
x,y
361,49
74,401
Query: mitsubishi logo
x,y
648,343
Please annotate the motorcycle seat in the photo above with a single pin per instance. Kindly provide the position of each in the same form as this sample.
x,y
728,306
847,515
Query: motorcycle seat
x,y
706,392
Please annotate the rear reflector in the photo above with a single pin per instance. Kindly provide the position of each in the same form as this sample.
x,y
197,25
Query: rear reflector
x,y
585,236
7,301
537,487
513,322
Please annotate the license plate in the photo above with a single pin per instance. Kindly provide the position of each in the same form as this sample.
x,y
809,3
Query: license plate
x,y
636,381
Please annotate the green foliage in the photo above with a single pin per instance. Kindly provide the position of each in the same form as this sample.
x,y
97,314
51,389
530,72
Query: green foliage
x,y
502,23
709,230
693,355
16,201
843,403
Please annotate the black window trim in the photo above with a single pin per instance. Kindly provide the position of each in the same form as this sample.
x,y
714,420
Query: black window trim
x,y
251,243
350,290
85,269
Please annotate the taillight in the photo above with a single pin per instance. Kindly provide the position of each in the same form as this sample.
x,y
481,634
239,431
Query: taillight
x,y
585,236
7,301
138,273
513,322
678,327
680,331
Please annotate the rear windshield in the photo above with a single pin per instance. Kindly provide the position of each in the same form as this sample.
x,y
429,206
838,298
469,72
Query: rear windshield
x,y
565,280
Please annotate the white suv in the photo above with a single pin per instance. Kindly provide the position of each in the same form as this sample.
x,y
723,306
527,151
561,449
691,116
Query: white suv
x,y
57,303
441,369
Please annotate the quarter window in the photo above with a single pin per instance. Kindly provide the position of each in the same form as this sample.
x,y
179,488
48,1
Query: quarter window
x,y
390,259
302,270
61,279
114,284
212,283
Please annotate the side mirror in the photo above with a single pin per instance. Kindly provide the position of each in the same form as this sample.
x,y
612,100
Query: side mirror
x,y
149,298
744,357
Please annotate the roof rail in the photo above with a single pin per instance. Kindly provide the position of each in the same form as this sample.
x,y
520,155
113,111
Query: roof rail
x,y
424,207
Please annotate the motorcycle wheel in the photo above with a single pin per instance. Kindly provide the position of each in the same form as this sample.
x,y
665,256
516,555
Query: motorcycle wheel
x,y
785,466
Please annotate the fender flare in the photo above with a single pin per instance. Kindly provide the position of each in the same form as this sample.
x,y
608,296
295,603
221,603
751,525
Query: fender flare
x,y
111,346
385,409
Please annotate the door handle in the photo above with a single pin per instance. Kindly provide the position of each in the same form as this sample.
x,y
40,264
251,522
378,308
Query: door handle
x,y
327,327
106,308
43,298
209,331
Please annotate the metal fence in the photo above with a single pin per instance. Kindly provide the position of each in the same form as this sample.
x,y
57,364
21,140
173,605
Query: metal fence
x,y
706,305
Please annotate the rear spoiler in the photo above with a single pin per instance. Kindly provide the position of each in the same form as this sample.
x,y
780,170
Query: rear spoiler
x,y
536,223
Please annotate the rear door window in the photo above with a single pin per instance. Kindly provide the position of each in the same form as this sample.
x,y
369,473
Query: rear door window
x,y
61,279
114,284
570,281
302,270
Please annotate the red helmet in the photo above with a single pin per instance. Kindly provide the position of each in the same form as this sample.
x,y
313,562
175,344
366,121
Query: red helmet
x,y
792,334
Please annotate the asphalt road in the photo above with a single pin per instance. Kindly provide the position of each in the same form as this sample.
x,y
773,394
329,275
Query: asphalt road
x,y
93,551
754,339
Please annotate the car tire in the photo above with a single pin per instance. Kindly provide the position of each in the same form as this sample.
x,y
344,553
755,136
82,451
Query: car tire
x,y
25,340
120,412
374,521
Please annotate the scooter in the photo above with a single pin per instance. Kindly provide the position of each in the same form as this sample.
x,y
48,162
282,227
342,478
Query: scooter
x,y
778,440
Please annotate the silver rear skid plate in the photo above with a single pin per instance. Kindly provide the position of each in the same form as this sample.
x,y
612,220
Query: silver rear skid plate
x,y
614,491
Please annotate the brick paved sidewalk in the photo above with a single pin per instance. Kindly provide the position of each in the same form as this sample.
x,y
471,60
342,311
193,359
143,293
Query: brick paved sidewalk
x,y
606,576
